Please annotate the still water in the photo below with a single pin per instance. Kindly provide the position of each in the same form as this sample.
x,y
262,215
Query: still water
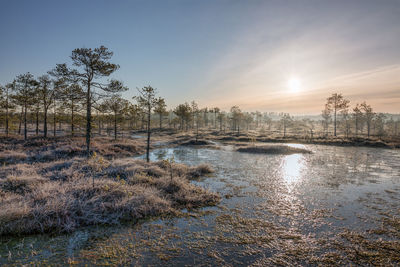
x,y
275,209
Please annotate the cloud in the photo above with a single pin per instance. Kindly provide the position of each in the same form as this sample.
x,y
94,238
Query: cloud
x,y
335,57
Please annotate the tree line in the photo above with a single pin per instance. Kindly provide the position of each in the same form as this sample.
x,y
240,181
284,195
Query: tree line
x,y
361,119
80,96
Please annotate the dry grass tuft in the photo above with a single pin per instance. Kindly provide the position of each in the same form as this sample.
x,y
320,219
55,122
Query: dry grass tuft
x,y
20,184
11,156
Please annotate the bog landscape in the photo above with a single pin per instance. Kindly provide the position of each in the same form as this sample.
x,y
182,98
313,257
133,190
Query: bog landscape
x,y
235,134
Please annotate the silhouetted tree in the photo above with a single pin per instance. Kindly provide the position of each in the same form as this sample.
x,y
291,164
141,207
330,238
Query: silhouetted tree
x,y
45,96
336,103
160,109
379,124
368,115
94,64
25,85
147,99
357,116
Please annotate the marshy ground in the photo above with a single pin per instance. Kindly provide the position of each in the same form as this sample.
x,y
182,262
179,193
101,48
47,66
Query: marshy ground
x,y
338,205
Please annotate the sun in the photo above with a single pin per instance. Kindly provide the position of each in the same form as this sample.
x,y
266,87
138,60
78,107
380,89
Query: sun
x,y
294,84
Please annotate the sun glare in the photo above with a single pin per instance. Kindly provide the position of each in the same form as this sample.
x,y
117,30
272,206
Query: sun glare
x,y
294,84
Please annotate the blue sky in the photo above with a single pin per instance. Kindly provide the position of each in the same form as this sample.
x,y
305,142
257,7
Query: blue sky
x,y
220,53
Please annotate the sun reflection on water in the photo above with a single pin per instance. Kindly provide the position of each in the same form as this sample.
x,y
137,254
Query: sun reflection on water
x,y
292,168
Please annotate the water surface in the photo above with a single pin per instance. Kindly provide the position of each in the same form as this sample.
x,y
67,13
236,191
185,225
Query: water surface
x,y
288,209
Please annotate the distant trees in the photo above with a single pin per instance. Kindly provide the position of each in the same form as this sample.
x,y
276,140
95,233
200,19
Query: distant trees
x,y
285,121
236,115
268,121
160,109
133,114
6,104
221,119
66,95
357,117
248,119
362,114
72,97
216,111
335,104
196,117
326,119
310,126
345,121
194,109
183,111
117,106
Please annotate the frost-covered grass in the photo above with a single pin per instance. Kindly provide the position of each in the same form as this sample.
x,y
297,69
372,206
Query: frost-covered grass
x,y
69,191
37,149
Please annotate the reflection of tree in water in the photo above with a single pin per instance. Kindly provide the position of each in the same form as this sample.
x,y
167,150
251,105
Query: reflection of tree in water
x,y
161,154
338,168
182,154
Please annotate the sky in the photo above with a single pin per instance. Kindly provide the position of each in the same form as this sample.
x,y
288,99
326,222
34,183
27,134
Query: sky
x,y
283,56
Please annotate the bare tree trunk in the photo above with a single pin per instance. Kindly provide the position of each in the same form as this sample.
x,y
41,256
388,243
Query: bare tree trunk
x,y
98,124
7,116
37,122
335,123
148,135
115,126
20,120
25,129
54,119
284,130
45,123
88,121
356,126
197,130
72,120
